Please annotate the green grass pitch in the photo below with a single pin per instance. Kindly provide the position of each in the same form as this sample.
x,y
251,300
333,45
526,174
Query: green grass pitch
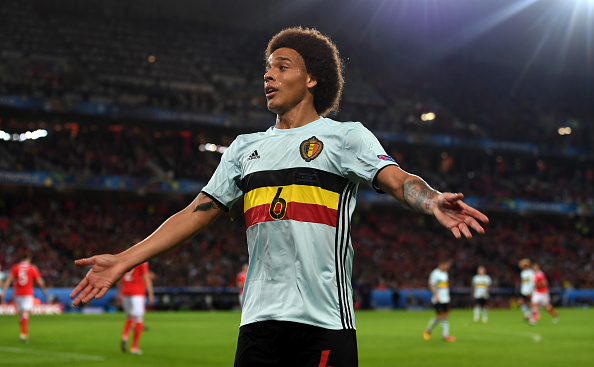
x,y
385,338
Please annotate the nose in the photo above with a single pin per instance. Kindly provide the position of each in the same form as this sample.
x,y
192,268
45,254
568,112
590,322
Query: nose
x,y
268,76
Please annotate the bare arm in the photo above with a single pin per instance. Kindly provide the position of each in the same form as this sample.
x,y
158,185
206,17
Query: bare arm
x,y
41,285
107,269
448,208
434,292
148,282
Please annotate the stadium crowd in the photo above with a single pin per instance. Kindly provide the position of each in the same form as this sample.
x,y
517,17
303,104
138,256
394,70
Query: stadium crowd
x,y
391,246
173,152
82,54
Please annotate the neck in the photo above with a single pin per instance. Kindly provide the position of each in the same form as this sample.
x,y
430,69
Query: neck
x,y
296,117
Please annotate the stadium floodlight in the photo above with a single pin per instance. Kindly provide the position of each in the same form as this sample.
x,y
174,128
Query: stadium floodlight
x,y
210,147
29,135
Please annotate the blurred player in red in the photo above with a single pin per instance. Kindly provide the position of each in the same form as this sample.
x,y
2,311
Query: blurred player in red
x,y
132,289
541,296
240,281
24,273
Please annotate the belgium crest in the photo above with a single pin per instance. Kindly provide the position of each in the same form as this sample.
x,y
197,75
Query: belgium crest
x,y
311,148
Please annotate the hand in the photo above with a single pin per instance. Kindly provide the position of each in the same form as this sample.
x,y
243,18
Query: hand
x,y
454,214
105,272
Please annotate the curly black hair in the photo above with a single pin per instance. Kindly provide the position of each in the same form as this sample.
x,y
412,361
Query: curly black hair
x,y
322,60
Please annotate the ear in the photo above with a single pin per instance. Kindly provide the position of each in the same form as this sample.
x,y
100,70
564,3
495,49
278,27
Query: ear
x,y
312,81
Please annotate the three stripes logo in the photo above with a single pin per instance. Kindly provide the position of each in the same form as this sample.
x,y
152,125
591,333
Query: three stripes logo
x,y
254,155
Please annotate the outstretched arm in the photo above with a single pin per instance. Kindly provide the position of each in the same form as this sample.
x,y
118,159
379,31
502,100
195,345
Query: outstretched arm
x,y
448,208
107,269
41,284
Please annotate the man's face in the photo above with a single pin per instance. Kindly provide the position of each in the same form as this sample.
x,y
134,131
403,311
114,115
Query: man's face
x,y
286,82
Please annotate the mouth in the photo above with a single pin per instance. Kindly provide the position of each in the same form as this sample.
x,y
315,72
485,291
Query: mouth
x,y
270,92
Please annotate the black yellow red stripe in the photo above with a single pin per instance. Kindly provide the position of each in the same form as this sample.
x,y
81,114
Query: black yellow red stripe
x,y
302,203
301,194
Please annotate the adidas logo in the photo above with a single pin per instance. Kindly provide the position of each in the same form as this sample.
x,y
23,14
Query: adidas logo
x,y
254,155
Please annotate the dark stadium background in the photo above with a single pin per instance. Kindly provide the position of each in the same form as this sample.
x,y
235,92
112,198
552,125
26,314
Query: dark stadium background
x,y
129,91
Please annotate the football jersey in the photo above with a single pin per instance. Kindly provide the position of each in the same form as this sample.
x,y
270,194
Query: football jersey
x,y
133,282
241,279
440,280
539,276
24,275
299,191
527,279
481,284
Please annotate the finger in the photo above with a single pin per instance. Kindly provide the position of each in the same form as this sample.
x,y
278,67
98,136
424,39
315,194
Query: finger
x,y
82,295
453,197
84,262
90,295
83,283
464,229
472,223
456,232
476,214
102,292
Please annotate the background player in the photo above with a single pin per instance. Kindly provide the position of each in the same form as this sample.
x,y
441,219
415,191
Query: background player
x,y
526,287
24,274
481,283
440,288
240,282
131,293
541,296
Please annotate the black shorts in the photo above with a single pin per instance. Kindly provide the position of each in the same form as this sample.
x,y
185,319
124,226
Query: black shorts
x,y
441,308
481,302
525,297
287,344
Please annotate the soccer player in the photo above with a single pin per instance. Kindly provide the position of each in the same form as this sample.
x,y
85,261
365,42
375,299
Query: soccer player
x,y
240,281
299,181
541,296
132,289
24,274
526,287
440,289
2,277
480,292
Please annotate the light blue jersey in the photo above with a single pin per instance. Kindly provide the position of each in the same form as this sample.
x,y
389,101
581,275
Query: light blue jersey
x,y
299,187
480,285
440,280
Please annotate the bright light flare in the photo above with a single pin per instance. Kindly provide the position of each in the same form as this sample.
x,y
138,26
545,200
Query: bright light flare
x,y
29,135
429,116
209,147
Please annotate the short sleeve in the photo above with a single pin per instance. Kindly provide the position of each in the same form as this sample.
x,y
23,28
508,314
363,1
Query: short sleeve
x,y
363,156
432,279
225,184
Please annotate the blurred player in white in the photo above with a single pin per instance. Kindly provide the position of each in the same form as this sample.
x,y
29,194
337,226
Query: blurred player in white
x,y
24,273
2,277
526,287
132,289
541,296
481,283
440,288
